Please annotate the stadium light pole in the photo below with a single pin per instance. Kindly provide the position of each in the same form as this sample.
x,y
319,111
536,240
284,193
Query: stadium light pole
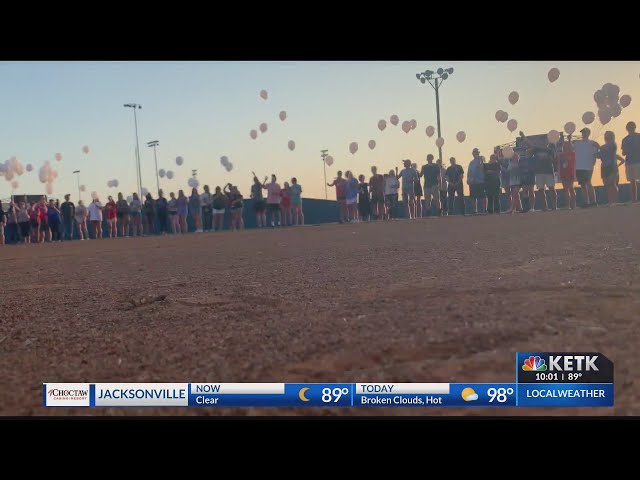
x,y
154,144
435,79
135,107
77,172
324,154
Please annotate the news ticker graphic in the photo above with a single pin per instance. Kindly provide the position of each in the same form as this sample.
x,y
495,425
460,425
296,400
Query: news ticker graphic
x,y
543,379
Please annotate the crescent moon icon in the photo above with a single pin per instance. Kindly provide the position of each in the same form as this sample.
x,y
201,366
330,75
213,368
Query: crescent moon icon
x,y
301,394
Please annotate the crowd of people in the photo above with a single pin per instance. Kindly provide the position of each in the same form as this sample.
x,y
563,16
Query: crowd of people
x,y
50,221
436,190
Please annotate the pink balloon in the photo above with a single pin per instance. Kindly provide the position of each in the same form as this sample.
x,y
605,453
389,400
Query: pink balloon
x,y
439,142
406,126
58,156
283,115
512,124
353,147
264,94
372,144
253,134
430,131
263,127
413,124
394,120
382,124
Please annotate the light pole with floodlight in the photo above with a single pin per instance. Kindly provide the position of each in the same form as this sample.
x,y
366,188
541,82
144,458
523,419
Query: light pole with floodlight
x,y
77,172
435,79
154,144
135,107
324,154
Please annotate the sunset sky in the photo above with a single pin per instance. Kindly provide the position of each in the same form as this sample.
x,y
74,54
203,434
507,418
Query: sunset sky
x,y
203,110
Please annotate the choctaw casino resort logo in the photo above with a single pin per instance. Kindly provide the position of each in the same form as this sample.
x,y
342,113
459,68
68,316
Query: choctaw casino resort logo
x,y
66,394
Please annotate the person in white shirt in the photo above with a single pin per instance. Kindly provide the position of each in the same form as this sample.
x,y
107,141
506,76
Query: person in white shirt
x,y
586,151
207,213
95,217
391,186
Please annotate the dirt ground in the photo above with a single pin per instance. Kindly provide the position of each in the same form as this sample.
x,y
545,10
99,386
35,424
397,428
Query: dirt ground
x,y
430,300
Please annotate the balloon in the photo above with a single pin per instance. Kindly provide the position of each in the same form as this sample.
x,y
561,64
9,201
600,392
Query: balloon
x,y
413,124
29,167
19,169
3,167
54,174
82,188
283,115
394,120
8,176
115,183
58,156
499,115
625,101
461,136
372,144
49,189
430,131
353,147
616,110
553,74
224,161
553,136
263,127
169,174
512,124
264,94
588,117
505,117
439,142
94,194
193,182
144,191
611,90
15,184
604,115
291,145
85,149
570,127
514,97
129,199
328,160
382,124
109,184
179,160
507,152
162,173
406,126
253,134
229,166
599,96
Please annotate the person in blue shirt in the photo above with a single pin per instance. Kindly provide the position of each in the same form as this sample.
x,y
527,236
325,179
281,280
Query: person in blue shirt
x,y
409,177
608,155
631,150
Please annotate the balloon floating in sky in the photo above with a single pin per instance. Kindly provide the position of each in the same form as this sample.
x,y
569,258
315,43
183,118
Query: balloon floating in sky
x,y
328,160
439,142
394,120
625,101
29,167
263,127
382,124
570,127
512,124
264,94
553,136
291,145
588,117
430,131
83,188
514,97
162,173
49,189
461,136
109,183
224,160
253,134
169,174
413,123
372,144
282,115
553,74
406,126
94,194
58,156
179,160
193,182
353,147
129,199
85,149
229,166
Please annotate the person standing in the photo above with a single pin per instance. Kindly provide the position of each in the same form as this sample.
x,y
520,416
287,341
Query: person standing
x,y
273,200
162,208
417,189
341,197
136,215
236,203
285,205
455,178
432,184
172,209
149,209
351,193
514,184
259,205
68,210
444,186
408,176
43,228
608,154
364,204
195,209
81,214
504,179
95,217
631,151
218,205
122,216
111,211
53,222
24,221
182,203
376,187
205,201
296,202
492,184
567,171
475,180
526,167
12,233
391,187
586,151
3,223
544,168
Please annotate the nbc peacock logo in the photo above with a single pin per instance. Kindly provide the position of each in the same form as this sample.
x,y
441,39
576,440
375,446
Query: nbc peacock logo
x,y
534,364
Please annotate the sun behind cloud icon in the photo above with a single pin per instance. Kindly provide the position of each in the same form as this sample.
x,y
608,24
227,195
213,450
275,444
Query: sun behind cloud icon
x,y
469,395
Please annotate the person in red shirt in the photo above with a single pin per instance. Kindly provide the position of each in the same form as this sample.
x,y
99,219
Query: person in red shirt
x,y
567,171
376,188
42,210
341,196
111,211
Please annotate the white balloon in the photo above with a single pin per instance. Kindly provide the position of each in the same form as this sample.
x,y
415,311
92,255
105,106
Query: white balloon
x,y
430,131
264,94
115,183
588,117
58,156
179,160
413,124
193,182
553,74
263,127
406,126
169,174
328,160
507,152
94,194
162,172
553,136
224,161
283,115
394,120
83,188
15,184
291,145
570,127
353,147
439,142
514,97
372,144
461,136
49,189
29,167
19,168
382,124
8,176
129,199
253,134
499,115
512,124
625,101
